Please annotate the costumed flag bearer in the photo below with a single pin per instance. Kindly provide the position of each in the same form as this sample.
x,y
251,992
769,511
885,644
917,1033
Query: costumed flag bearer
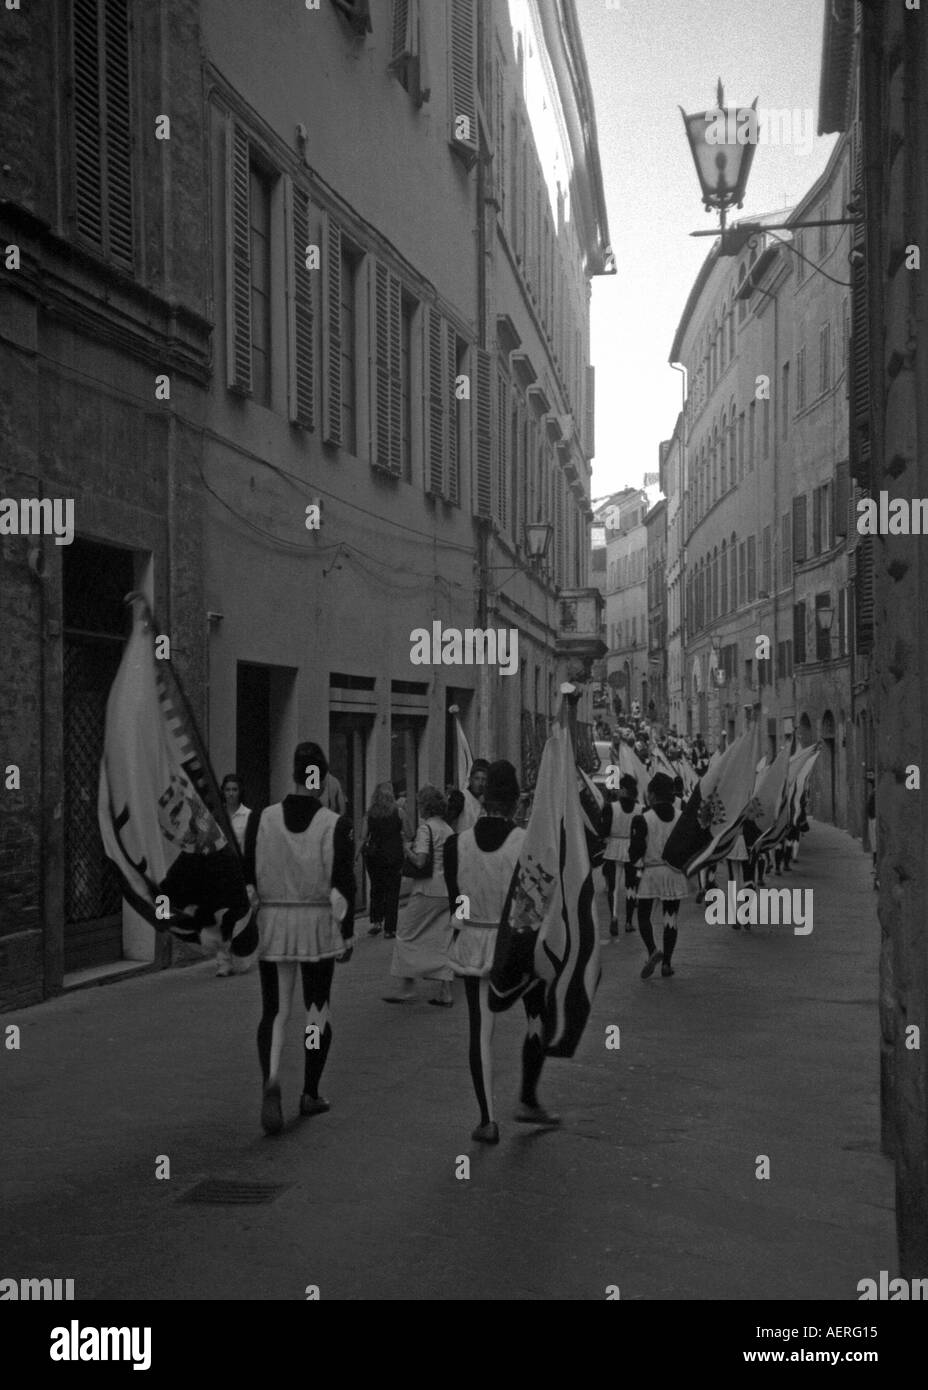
x,y
616,824
659,880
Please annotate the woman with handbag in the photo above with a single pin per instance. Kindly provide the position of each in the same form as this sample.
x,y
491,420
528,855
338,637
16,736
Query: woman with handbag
x,y
382,851
424,934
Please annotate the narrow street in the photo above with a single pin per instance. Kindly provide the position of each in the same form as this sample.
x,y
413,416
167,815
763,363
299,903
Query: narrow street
x,y
763,1043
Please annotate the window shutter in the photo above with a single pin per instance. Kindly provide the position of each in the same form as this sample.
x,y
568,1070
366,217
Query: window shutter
x,y
385,347
560,529
433,394
453,474
863,594
799,633
88,125
502,451
302,390
859,361
102,125
589,413
463,84
786,551
800,539
238,221
403,40
332,332
482,437
841,499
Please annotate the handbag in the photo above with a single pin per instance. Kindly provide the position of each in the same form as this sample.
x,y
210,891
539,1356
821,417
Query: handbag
x,y
411,870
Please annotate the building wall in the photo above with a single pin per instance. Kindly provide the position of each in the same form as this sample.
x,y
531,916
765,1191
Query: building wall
x,y
88,322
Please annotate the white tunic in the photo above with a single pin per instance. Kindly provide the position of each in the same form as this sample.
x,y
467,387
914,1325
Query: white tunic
x,y
620,832
659,879
483,878
293,871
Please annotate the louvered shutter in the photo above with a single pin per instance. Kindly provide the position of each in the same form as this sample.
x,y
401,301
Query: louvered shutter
x,y
840,497
118,131
238,221
385,346
331,332
502,451
800,538
302,389
863,590
589,413
463,83
560,528
102,126
482,438
799,633
859,359
453,468
402,45
433,400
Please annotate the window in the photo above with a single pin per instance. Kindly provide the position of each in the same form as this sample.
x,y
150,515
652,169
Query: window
x,y
733,570
799,633
463,80
731,334
723,588
784,419
260,254
102,125
749,463
765,416
845,332
824,348
801,379
821,519
347,345
786,550
723,458
800,540
784,660
405,41
752,568
766,562
743,572
822,638
408,312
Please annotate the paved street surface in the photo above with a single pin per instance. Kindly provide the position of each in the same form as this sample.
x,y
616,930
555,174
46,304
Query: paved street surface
x,y
762,1043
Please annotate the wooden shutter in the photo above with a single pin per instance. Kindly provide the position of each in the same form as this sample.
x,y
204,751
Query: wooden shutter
x,y
301,319
482,437
560,528
238,241
840,495
799,633
463,83
453,466
385,349
859,359
403,37
503,427
800,537
332,332
102,126
589,440
433,399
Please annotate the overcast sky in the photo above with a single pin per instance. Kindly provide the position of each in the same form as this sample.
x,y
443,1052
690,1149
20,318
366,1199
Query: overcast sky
x,y
645,58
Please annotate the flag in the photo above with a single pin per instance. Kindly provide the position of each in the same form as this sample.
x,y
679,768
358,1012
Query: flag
x,y
630,764
661,763
162,820
463,757
798,769
768,792
708,825
591,804
548,929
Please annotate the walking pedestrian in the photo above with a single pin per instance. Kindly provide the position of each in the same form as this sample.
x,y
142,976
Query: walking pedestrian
x,y
232,792
659,880
615,824
423,936
480,864
300,858
382,852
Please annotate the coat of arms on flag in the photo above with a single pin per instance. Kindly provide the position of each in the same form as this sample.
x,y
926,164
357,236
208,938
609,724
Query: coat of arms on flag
x,y
548,930
162,820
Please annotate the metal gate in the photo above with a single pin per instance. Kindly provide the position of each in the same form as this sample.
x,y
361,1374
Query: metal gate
x,y
92,898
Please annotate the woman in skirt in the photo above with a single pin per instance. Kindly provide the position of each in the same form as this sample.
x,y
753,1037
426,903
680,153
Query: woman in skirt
x,y
423,936
300,858
659,880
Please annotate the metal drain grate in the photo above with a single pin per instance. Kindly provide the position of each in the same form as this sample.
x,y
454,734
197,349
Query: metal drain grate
x,y
230,1192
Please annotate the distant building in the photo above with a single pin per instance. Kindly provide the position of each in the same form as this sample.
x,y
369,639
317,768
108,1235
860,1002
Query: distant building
x,y
655,707
627,602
